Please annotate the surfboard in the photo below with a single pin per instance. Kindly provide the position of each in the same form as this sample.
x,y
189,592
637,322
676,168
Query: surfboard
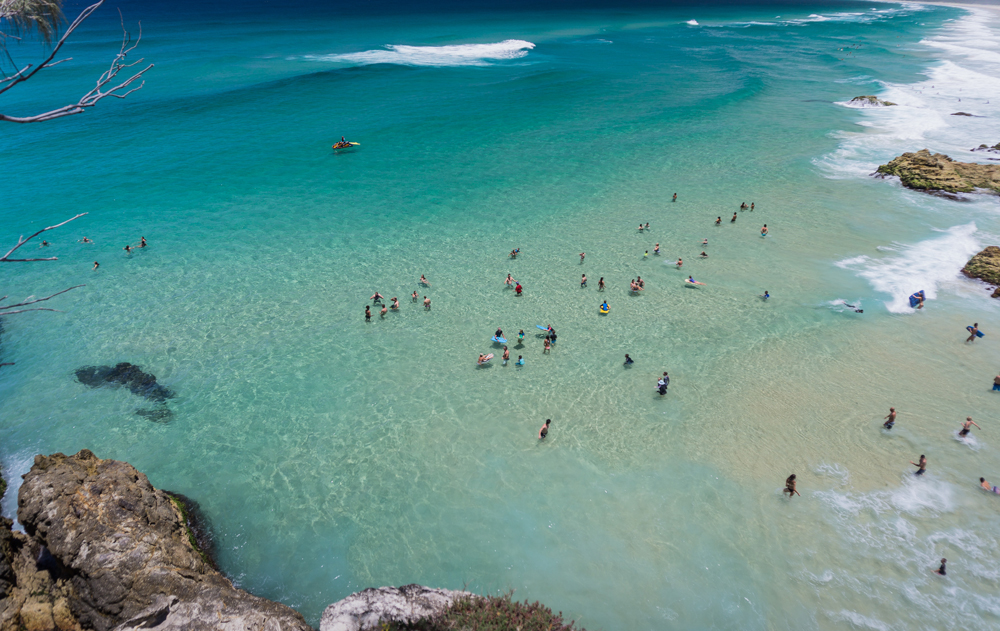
x,y
499,340
486,359
978,333
692,284
544,328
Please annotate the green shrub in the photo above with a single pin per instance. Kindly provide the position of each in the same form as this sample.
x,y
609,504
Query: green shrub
x,y
489,613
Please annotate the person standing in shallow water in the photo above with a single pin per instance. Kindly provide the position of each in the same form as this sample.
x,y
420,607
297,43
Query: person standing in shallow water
x,y
972,335
890,420
921,465
790,486
733,220
966,426
675,197
542,433
368,314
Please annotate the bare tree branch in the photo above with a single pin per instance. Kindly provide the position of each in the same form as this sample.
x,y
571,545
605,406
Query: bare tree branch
x,y
31,302
100,91
22,241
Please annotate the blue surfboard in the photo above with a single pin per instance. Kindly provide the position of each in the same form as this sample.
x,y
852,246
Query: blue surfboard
x,y
978,333
499,340
544,328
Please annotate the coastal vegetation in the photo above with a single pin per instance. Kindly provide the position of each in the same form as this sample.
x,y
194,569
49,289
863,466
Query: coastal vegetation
x,y
488,613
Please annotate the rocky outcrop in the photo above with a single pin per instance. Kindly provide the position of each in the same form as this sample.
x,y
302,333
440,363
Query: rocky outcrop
x,y
937,172
124,374
962,114
994,149
367,610
986,267
123,556
870,101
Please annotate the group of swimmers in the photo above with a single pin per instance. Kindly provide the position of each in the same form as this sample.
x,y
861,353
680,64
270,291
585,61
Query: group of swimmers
x,y
129,248
378,298
921,464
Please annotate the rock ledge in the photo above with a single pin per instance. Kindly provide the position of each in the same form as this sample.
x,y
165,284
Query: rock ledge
x,y
986,267
937,172
368,609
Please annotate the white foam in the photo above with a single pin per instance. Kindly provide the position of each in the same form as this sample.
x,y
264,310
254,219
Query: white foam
x,y
692,22
453,55
925,265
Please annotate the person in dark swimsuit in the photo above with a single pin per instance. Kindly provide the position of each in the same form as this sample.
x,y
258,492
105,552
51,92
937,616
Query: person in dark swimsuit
x,y
891,419
941,570
542,433
965,426
718,221
921,466
790,486
368,314
628,360
499,332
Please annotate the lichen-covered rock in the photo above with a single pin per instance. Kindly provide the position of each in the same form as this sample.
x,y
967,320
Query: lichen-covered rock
x,y
986,267
937,172
870,101
127,554
368,609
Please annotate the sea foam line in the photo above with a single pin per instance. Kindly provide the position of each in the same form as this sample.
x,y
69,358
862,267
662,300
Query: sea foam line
x,y
451,55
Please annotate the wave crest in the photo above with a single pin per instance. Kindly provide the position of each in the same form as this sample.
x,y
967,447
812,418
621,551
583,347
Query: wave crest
x,y
452,55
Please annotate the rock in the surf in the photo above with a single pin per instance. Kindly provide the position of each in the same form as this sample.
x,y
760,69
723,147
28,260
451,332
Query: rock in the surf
x,y
937,172
870,101
994,149
373,608
128,556
124,374
986,267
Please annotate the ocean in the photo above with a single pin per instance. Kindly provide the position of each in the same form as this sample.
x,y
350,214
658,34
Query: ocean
x,y
333,454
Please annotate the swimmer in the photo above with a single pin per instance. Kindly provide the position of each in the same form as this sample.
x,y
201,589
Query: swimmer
x,y
647,225
704,241
628,360
414,296
640,227
604,306
890,420
427,302
376,297
395,304
583,281
632,286
751,206
680,262
743,205
766,295
142,242
481,358
675,197
733,220
548,346
368,314
385,310
656,249
582,254
542,433
972,335
986,485
85,240
641,283
996,380
921,465
966,426
127,248
600,287
520,361
703,255
661,387
856,310
506,355
96,265
423,281
45,244
499,332
517,288
646,254
763,231
941,570
718,221
790,486
520,336
509,281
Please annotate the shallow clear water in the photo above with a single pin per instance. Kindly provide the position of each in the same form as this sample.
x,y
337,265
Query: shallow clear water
x,y
333,455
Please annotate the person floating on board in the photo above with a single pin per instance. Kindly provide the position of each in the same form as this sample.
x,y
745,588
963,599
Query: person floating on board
x,y
790,486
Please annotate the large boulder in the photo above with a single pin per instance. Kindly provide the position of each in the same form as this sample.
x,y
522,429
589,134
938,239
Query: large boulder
x,y
870,101
369,609
986,267
937,172
127,556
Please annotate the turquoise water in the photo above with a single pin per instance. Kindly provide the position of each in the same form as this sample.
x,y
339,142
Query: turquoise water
x,y
333,455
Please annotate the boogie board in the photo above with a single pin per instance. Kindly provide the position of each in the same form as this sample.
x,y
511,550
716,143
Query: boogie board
x,y
544,328
486,359
602,309
978,333
917,297
499,340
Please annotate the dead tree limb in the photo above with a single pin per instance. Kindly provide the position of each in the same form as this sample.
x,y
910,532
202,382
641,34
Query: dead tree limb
x,y
119,90
22,241
31,302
